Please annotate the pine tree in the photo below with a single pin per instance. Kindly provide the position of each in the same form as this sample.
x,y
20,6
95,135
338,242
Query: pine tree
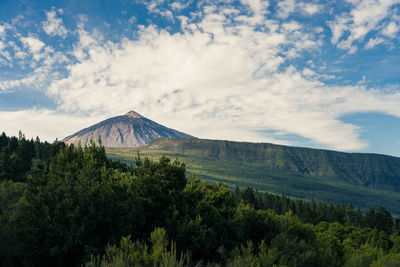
x,y
3,140
5,164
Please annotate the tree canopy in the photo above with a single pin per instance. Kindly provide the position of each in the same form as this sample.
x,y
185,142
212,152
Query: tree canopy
x,y
69,206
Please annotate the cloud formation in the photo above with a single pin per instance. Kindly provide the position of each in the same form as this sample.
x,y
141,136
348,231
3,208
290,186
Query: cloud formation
x,y
30,54
228,73
221,75
34,45
366,16
54,26
287,7
47,124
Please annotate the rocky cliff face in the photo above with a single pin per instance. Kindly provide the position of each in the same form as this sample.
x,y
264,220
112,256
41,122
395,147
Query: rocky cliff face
x,y
129,130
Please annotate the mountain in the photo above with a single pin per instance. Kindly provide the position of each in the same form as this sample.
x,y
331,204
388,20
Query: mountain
x,y
365,180
371,170
129,130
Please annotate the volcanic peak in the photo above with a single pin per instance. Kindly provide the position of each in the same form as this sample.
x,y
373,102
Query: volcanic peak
x,y
129,130
133,114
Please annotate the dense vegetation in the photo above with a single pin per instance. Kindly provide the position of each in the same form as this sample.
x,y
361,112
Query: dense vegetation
x,y
72,206
372,170
366,180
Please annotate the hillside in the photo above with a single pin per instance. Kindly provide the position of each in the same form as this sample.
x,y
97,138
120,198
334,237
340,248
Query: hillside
x,y
372,170
365,180
128,130
73,206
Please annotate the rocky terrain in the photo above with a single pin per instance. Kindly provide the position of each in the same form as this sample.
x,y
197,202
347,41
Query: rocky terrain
x,y
129,130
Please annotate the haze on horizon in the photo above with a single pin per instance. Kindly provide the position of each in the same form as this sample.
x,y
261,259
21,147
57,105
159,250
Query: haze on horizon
x,y
307,73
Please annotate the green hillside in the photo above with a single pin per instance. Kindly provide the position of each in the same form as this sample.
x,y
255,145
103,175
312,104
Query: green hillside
x,y
365,180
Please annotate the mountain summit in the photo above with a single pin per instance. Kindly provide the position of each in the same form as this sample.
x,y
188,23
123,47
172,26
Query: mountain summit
x,y
129,130
133,114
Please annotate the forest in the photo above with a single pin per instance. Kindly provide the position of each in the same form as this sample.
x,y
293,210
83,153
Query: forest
x,y
363,179
63,205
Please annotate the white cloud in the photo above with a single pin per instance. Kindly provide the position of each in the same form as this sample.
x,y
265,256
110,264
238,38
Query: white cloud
x,y
291,26
286,7
307,72
34,45
2,31
180,5
47,124
227,75
373,42
365,17
39,51
310,8
258,8
217,80
153,5
7,47
54,26
132,20
3,52
338,28
18,53
39,78
391,30
10,84
41,58
167,14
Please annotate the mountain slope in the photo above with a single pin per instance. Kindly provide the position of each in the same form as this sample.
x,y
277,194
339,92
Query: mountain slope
x,y
372,170
129,130
365,180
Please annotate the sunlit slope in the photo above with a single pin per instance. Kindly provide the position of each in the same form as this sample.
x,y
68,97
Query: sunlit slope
x,y
365,180
128,130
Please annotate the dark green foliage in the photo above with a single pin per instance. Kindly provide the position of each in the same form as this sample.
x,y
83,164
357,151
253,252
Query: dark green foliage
x,y
3,140
365,180
138,254
5,163
74,206
19,155
315,212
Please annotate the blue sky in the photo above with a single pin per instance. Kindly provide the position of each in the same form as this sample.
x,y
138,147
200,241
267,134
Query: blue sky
x,y
314,73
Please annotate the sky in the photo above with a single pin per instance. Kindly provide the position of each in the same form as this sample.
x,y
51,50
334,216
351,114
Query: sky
x,y
322,74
